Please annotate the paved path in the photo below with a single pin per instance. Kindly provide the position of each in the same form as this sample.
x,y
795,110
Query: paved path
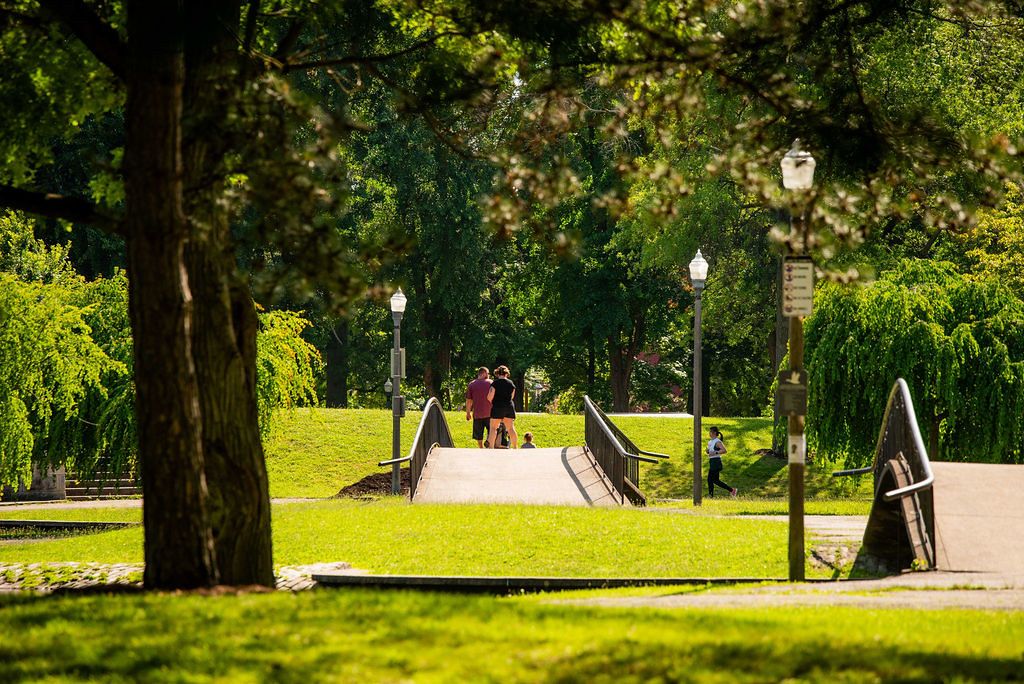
x,y
560,476
919,591
979,517
64,504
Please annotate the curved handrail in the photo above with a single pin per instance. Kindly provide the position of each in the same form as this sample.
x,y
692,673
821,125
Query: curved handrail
x,y
901,390
614,452
604,427
417,454
423,420
915,435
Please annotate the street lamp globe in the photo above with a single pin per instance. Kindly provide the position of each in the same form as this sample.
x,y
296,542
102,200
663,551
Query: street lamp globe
x,y
798,168
698,270
388,386
398,302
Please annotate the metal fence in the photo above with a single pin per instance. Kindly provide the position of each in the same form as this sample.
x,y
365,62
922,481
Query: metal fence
x,y
433,431
616,453
903,512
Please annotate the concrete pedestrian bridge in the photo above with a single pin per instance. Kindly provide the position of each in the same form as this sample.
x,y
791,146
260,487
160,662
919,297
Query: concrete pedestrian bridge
x,y
567,476
957,517
604,471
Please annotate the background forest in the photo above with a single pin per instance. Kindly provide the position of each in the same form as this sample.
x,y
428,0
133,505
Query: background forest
x,y
586,294
536,176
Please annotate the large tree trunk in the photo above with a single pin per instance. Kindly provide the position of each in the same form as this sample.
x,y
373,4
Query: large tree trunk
x,y
224,344
336,355
622,358
591,365
521,400
178,540
621,368
224,338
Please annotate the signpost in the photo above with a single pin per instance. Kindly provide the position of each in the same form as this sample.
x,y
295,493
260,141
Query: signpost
x,y
797,302
797,286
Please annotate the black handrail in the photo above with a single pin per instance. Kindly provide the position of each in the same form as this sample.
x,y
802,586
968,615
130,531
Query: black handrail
x,y
900,455
433,431
899,431
615,453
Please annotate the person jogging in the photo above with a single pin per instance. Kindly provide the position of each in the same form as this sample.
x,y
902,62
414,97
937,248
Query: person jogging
x,y
716,447
478,406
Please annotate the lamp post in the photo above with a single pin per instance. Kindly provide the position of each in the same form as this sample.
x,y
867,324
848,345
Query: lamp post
x,y
397,400
698,274
797,175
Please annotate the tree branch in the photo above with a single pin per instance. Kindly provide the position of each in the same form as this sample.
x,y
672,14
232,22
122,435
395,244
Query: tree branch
x,y
10,16
50,205
98,36
374,59
250,25
288,41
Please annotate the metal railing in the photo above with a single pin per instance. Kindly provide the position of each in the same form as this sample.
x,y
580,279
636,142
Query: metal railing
x,y
432,431
617,455
901,457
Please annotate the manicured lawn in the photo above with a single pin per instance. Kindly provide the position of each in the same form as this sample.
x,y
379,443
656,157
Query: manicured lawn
x,y
316,452
392,536
46,512
357,636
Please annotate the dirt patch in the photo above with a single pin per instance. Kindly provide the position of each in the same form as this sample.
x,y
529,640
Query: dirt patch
x,y
372,486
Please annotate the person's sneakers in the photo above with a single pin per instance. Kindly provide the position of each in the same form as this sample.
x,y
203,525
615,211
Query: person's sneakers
x,y
733,492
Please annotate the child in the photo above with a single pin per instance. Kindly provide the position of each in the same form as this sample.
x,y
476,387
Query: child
x,y
528,441
716,447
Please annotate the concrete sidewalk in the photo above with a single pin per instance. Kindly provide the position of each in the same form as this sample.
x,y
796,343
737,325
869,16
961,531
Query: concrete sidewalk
x,y
556,476
979,517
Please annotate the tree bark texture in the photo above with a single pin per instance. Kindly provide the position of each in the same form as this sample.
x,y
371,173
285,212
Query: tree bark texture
x,y
178,539
622,358
336,356
224,336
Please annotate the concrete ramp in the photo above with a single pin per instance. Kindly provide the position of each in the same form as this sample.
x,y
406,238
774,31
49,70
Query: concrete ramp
x,y
979,517
560,476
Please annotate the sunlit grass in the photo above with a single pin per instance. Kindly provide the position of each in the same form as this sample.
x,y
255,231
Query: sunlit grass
x,y
316,452
395,537
367,636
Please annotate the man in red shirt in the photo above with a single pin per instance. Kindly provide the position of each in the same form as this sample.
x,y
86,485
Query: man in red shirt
x,y
478,406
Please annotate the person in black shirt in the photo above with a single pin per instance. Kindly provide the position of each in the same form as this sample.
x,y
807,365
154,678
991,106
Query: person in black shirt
x,y
503,411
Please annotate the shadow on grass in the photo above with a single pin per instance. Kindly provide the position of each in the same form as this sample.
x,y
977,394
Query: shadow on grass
x,y
816,660
759,474
389,637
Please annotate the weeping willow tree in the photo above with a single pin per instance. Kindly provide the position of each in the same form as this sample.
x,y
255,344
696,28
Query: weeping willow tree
x,y
958,343
98,432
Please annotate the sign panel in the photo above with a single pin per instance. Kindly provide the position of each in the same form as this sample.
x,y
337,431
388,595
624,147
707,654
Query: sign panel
x,y
797,286
797,449
791,394
398,362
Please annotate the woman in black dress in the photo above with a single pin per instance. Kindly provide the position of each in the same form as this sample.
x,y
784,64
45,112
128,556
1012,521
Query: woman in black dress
x,y
503,411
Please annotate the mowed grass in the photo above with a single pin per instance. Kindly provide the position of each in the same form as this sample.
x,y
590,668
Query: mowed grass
x,y
90,514
316,452
362,635
395,537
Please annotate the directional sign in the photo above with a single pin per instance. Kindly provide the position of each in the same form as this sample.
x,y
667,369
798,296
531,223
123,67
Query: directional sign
x,y
797,286
792,393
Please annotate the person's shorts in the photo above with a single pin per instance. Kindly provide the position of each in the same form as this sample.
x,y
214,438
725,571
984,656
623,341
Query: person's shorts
x,y
481,426
499,412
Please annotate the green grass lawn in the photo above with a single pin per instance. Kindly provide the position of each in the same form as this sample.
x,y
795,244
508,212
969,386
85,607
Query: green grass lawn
x,y
361,635
316,452
393,536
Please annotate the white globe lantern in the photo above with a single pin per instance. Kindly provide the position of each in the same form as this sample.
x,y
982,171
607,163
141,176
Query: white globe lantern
x,y
798,168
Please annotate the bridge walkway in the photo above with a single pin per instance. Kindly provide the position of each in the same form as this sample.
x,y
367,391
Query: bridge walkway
x,y
559,475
